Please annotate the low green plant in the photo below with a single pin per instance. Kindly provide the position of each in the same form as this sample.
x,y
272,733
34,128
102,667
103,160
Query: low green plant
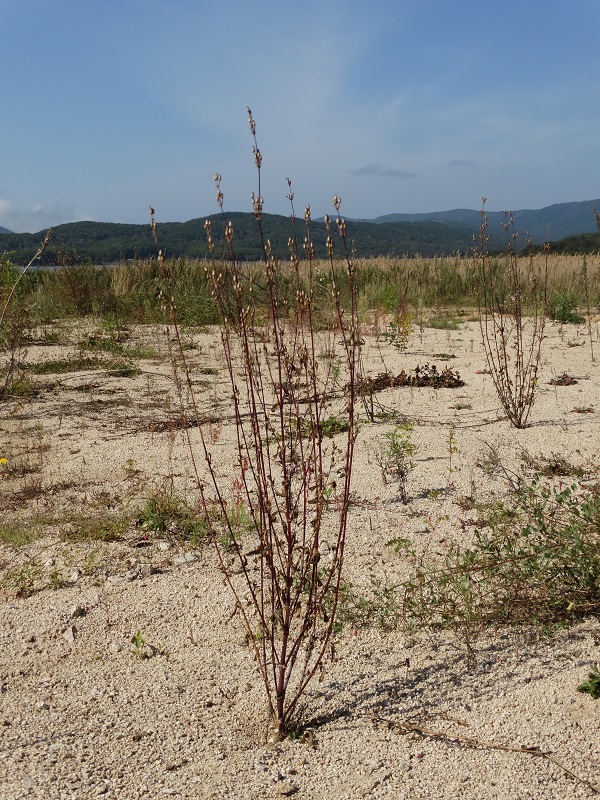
x,y
21,580
333,425
444,323
114,344
381,606
592,685
562,308
18,534
537,562
56,579
166,514
63,365
19,385
142,648
139,644
122,369
398,332
97,529
395,458
453,449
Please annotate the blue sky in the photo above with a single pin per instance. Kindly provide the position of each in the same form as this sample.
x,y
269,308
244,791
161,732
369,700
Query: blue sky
x,y
395,105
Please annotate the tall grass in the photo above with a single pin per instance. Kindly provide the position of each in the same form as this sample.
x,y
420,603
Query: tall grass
x,y
131,291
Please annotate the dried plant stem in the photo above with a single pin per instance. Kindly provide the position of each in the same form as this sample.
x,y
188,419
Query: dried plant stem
x,y
406,726
279,397
38,253
512,341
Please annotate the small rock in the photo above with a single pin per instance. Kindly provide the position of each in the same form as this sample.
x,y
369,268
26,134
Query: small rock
x,y
74,576
163,545
185,558
115,647
421,528
77,611
69,634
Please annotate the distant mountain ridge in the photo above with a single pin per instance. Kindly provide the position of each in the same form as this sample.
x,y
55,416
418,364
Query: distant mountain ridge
x,y
545,224
427,234
4,230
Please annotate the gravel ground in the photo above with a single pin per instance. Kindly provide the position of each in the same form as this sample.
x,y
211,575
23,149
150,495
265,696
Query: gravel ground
x,y
133,677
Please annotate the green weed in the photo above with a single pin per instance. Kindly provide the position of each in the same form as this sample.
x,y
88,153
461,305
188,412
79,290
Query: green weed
x,y
166,514
18,535
98,529
537,561
444,323
592,685
21,580
395,458
562,308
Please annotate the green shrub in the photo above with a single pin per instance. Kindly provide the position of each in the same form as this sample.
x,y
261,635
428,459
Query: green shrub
x,y
562,308
539,562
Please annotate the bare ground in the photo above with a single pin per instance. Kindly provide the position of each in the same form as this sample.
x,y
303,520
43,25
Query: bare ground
x,y
124,672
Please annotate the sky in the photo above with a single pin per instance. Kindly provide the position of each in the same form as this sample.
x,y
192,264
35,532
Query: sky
x,y
394,105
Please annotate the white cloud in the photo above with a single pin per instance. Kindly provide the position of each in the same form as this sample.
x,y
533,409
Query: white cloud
x,y
5,207
37,218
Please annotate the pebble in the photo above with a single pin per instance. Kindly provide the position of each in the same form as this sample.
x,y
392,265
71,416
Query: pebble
x,y
285,788
69,634
185,558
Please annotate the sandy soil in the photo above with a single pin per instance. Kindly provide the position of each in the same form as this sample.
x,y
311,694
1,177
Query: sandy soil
x,y
84,713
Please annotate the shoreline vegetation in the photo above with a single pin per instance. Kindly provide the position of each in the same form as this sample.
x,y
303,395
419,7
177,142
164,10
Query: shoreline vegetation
x,y
131,292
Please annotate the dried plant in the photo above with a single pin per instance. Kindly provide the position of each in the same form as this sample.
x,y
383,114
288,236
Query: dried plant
x,y
14,319
512,339
287,466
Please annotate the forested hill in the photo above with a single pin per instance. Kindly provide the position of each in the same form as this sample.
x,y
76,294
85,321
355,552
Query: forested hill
x,y
105,242
551,223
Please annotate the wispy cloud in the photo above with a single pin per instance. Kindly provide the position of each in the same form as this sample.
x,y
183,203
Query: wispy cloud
x,y
383,171
462,162
38,217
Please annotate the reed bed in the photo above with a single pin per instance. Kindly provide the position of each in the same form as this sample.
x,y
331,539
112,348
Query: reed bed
x,y
134,291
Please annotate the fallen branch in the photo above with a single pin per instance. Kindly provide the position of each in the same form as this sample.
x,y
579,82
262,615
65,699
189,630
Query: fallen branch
x,y
405,726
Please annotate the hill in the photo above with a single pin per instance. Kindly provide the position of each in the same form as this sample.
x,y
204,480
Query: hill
x,y
4,230
435,233
551,223
105,242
